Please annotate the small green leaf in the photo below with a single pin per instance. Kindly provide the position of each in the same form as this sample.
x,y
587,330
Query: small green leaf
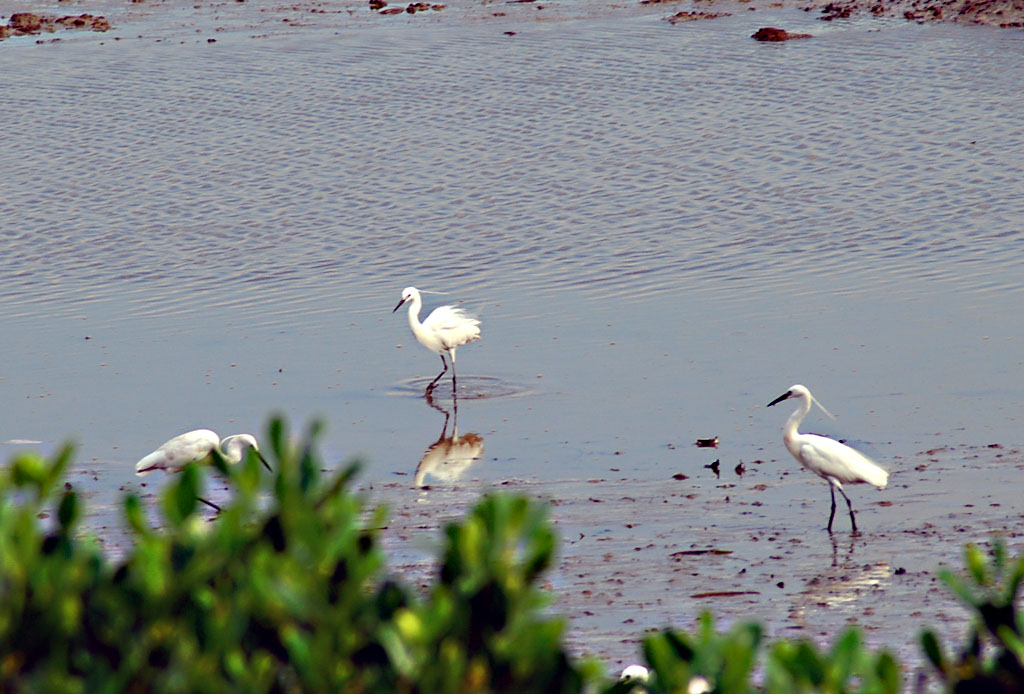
x,y
28,469
180,499
133,514
976,564
932,649
67,513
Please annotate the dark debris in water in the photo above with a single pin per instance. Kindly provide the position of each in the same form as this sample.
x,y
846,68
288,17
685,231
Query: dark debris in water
x,y
28,23
724,594
697,552
775,34
685,16
381,7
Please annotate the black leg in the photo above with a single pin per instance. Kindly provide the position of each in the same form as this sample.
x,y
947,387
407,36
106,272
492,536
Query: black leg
x,y
853,521
444,364
832,515
209,503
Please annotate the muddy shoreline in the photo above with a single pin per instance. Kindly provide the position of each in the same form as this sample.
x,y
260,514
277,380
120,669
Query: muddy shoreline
x,y
138,19
634,559
639,554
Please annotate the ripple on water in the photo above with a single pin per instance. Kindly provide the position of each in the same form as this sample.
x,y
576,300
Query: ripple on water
x,y
470,388
626,167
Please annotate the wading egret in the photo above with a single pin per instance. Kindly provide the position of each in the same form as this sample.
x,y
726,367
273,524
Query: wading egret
x,y
444,329
196,446
833,461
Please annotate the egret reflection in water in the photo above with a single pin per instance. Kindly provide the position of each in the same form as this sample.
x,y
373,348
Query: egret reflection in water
x,y
841,587
449,457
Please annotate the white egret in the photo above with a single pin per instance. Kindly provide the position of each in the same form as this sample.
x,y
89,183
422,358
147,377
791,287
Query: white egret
x,y
445,329
833,461
641,675
196,446
635,673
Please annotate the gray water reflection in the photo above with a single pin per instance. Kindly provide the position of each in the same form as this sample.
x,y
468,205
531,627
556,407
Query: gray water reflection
x,y
448,459
660,226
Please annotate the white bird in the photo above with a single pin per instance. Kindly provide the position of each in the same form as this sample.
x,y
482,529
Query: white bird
x,y
642,676
194,447
833,461
635,673
445,329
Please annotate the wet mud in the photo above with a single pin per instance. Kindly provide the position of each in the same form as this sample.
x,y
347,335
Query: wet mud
x,y
646,554
638,555
773,34
30,24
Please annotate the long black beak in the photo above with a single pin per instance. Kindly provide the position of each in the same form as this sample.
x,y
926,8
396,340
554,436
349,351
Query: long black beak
x,y
399,305
779,399
264,461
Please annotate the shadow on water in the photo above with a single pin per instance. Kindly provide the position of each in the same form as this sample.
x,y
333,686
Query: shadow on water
x,y
448,458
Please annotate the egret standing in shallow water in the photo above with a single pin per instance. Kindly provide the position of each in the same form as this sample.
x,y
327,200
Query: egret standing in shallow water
x,y
445,329
833,461
196,446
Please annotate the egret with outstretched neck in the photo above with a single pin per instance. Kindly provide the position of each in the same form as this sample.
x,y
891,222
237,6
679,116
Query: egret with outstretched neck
x,y
445,329
834,462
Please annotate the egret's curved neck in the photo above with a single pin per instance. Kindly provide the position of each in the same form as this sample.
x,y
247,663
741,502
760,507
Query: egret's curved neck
x,y
415,304
231,448
228,451
790,430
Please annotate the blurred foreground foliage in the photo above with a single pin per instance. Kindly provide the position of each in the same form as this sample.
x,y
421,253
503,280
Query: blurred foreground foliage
x,y
287,590
992,657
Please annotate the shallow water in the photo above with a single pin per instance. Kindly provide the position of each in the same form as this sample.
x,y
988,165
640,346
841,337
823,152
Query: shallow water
x,y
661,228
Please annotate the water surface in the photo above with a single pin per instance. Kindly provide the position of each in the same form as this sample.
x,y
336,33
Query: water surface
x,y
661,228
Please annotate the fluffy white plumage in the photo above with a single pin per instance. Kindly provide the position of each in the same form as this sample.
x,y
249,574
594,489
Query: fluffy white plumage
x,y
195,446
444,330
834,462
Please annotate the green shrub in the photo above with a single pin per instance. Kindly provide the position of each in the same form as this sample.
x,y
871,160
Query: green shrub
x,y
726,663
286,594
992,658
847,667
287,591
725,660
